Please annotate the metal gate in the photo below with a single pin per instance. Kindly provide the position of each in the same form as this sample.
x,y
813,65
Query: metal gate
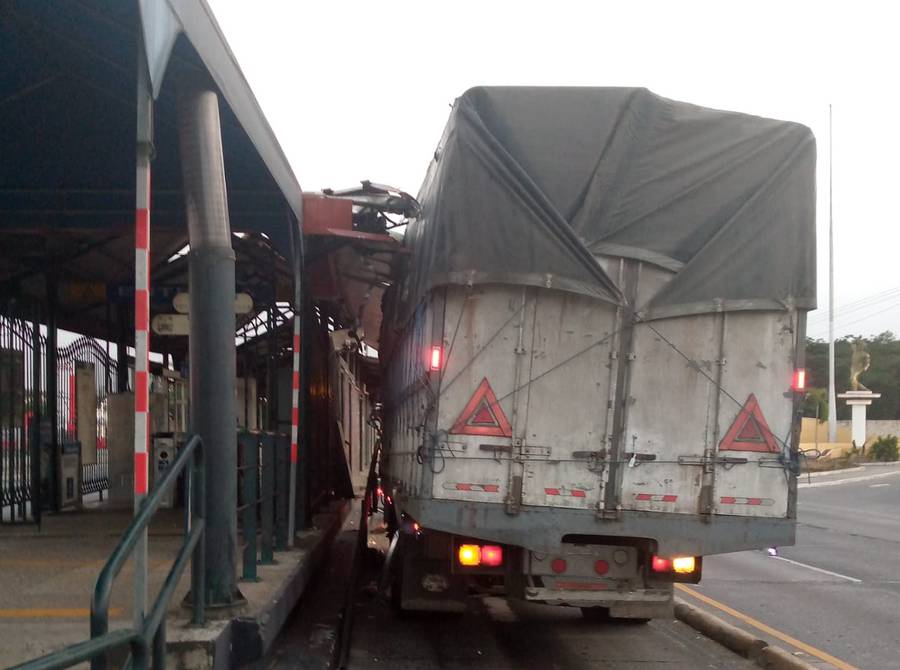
x,y
24,406
18,402
82,356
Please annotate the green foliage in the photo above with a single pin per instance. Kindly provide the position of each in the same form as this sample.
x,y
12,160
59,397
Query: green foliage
x,y
885,449
815,404
883,376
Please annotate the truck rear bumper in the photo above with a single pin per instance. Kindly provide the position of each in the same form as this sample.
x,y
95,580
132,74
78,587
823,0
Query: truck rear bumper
x,y
542,528
651,603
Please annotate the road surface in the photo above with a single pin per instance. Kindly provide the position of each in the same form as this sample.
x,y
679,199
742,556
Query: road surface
x,y
493,634
838,589
833,600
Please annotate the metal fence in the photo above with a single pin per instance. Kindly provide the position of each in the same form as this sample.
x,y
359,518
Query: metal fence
x,y
18,401
85,365
23,402
263,499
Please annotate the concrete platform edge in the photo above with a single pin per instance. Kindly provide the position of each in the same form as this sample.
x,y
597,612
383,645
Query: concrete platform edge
x,y
226,644
253,637
738,640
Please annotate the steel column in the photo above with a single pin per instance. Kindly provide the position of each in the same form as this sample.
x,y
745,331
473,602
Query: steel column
x,y
53,475
142,324
296,243
36,418
267,499
212,346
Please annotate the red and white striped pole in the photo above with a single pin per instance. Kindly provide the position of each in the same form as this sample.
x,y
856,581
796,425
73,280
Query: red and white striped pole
x,y
142,323
295,429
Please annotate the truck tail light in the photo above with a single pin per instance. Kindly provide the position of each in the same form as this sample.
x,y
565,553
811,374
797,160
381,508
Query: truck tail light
x,y
798,385
678,568
684,565
492,555
435,358
661,564
559,565
469,555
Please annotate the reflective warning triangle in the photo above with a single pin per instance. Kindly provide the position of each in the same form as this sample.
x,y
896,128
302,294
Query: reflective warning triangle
x,y
750,432
483,415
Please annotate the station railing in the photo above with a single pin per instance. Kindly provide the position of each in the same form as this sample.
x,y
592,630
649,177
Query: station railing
x,y
147,644
263,476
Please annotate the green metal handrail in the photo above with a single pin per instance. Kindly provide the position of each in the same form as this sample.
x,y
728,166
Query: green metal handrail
x,y
151,639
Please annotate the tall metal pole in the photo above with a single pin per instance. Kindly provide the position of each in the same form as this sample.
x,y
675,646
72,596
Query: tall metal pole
x,y
142,323
53,392
37,400
297,249
212,351
832,398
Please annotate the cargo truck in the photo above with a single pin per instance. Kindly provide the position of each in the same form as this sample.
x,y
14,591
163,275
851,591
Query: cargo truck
x,y
593,352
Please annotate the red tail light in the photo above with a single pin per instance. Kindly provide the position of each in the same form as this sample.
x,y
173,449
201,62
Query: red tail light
x,y
678,568
601,567
558,565
799,383
434,361
492,555
661,564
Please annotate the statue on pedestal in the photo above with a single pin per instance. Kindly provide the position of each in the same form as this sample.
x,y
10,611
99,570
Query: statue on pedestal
x,y
859,363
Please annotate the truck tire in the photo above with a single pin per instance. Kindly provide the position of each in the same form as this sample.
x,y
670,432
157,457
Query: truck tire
x,y
602,614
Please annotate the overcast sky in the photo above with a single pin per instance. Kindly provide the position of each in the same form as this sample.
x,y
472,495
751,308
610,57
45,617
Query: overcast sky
x,y
362,91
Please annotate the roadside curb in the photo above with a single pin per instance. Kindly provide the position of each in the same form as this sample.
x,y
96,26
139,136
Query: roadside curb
x,y
847,480
737,640
777,658
836,471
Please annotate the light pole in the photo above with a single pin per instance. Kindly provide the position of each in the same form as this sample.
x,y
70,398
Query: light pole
x,y
832,398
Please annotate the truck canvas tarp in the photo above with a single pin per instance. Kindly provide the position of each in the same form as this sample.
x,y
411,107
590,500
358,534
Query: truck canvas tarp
x,y
529,183
590,346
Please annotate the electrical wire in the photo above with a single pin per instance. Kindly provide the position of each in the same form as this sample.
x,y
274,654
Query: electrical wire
x,y
852,309
860,303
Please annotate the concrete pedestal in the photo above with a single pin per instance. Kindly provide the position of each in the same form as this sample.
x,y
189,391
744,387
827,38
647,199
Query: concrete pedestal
x,y
858,401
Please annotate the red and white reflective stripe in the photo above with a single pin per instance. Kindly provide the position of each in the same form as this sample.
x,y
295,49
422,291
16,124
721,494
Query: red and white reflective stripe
x,y
72,423
738,500
656,497
568,493
477,488
141,326
295,391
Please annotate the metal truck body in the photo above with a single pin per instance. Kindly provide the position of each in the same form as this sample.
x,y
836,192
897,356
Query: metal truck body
x,y
613,435
592,352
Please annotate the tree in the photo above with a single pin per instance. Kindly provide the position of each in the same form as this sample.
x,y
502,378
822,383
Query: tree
x,y
815,403
883,377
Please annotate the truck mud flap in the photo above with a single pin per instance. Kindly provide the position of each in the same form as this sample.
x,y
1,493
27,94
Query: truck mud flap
x,y
425,582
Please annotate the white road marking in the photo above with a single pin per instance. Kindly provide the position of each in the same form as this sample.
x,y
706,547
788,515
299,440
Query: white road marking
x,y
499,610
822,570
877,486
849,480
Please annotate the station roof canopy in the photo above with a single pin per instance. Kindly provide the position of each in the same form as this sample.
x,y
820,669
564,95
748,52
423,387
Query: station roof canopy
x,y
68,146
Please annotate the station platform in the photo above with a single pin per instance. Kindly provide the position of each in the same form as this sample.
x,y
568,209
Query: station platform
x,y
48,576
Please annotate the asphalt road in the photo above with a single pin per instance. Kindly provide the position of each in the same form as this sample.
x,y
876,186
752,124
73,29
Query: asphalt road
x,y
493,634
838,589
833,600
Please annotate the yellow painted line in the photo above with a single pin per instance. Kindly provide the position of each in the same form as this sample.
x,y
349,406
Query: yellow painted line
x,y
46,563
38,563
759,625
53,613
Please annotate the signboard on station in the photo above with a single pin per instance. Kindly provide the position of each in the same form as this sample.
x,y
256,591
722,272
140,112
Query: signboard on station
x,y
243,303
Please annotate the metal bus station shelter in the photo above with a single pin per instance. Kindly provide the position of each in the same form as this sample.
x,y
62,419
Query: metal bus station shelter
x,y
154,285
